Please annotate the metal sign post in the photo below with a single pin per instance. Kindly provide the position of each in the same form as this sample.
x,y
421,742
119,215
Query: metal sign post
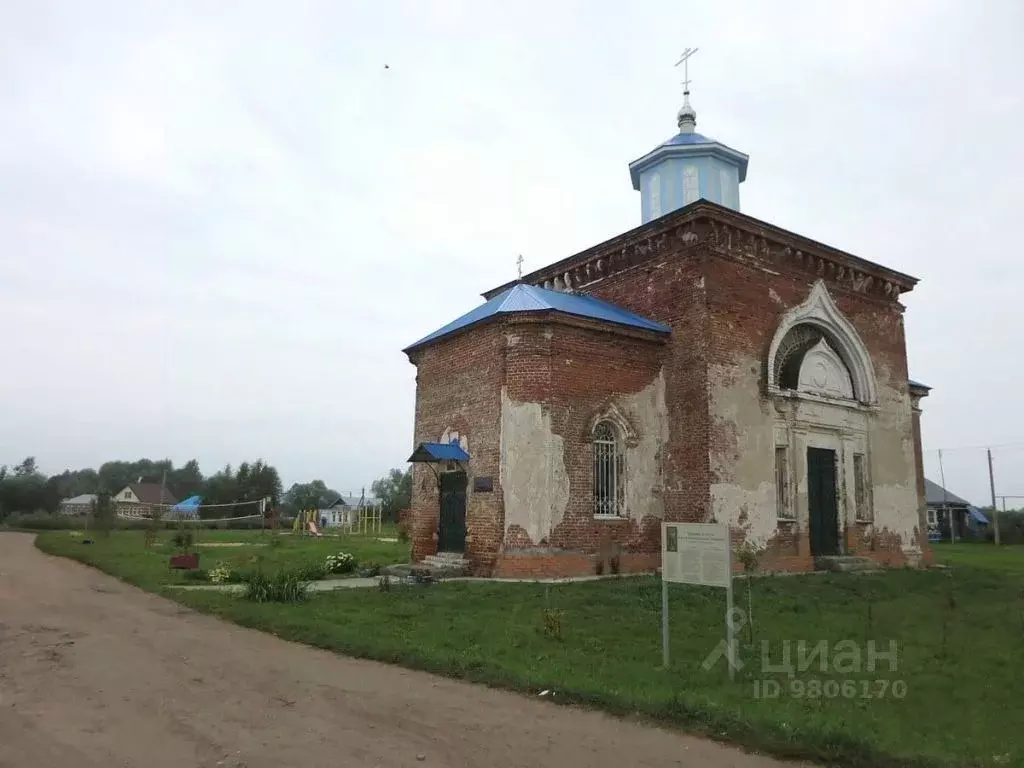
x,y
664,619
730,623
697,553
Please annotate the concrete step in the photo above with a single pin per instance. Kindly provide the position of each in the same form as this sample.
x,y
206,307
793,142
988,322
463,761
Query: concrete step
x,y
447,556
446,560
844,563
432,567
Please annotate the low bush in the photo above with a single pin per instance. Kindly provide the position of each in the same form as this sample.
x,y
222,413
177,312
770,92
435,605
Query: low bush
x,y
553,623
283,587
403,531
222,574
343,562
183,539
310,571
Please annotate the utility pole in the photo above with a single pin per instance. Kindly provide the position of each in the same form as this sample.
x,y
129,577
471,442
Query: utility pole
x,y
992,487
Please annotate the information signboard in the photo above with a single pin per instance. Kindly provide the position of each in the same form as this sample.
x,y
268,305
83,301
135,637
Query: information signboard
x,y
696,553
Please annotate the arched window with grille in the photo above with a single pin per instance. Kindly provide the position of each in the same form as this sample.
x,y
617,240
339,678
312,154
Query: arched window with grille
x,y
609,471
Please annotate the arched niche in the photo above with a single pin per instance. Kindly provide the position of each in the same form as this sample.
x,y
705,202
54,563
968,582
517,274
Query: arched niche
x,y
816,349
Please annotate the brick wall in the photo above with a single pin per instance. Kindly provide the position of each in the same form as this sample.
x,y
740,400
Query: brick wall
x,y
576,371
671,290
458,388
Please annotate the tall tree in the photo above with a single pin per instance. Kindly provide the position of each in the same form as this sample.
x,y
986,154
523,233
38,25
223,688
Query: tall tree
x,y
394,491
220,488
186,480
311,495
26,468
24,490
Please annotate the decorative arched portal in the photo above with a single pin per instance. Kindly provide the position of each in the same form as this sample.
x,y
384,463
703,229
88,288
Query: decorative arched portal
x,y
818,326
820,375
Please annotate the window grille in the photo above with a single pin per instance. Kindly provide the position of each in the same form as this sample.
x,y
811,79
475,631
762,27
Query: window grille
x,y
609,475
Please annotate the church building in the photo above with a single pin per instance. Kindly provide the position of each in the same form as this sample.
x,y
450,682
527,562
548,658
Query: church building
x,y
705,366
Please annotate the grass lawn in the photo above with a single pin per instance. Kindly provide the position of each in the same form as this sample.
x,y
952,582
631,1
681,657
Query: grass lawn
x,y
1006,558
960,636
123,554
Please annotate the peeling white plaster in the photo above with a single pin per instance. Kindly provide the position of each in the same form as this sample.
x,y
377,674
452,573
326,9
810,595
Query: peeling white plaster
x,y
532,469
745,474
753,511
648,414
450,434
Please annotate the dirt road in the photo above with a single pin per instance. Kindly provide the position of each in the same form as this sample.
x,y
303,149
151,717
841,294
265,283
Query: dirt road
x,y
96,673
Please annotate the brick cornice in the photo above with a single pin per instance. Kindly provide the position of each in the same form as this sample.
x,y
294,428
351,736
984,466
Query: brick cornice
x,y
730,234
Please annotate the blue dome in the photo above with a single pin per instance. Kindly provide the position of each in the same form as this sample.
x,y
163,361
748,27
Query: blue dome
x,y
688,138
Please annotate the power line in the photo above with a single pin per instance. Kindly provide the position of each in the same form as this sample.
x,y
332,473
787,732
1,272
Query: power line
x,y
1017,446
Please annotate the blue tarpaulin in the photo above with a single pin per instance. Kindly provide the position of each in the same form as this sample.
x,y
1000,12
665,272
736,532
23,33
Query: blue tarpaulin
x,y
188,508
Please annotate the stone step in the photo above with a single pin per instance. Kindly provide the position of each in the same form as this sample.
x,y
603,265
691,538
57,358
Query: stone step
x,y
458,556
844,563
434,572
446,562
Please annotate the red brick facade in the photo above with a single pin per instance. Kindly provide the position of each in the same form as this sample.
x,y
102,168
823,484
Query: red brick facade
x,y
723,282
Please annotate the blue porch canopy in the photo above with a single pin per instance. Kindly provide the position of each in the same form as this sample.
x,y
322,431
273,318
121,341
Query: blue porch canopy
x,y
976,514
431,452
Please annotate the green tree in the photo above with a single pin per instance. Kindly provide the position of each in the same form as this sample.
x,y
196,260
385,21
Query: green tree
x,y
24,490
26,468
220,488
394,491
115,475
311,495
186,480
258,480
103,514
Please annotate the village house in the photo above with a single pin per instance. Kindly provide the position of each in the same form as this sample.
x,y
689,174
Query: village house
x,y
704,366
78,505
139,499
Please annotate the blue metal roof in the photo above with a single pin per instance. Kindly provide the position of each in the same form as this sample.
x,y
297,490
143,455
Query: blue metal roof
x,y
427,452
531,298
688,138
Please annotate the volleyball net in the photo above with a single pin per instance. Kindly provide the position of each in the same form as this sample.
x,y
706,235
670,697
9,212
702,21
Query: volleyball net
x,y
190,511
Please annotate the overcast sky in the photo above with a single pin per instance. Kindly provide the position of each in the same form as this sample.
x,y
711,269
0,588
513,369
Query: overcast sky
x,y
221,222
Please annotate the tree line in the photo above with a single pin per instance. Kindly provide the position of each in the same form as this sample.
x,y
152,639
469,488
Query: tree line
x,y
24,489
